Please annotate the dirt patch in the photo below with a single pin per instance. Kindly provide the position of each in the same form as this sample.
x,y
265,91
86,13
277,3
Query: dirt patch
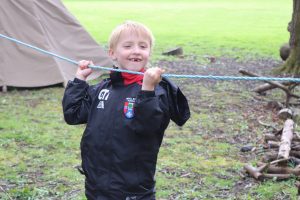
x,y
219,67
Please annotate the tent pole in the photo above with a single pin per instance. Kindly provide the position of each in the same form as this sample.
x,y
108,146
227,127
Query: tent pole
x,y
4,88
65,83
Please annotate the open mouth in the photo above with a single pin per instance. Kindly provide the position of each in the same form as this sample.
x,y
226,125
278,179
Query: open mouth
x,y
135,60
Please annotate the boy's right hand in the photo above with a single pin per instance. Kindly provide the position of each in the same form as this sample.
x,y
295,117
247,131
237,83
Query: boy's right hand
x,y
83,70
152,77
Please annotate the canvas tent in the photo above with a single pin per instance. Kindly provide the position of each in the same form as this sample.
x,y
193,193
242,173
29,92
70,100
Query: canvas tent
x,y
48,25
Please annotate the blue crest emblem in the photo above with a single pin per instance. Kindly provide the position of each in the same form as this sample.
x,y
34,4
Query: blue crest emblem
x,y
129,108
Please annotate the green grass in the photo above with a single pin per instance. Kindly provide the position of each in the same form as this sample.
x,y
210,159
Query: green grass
x,y
39,152
243,28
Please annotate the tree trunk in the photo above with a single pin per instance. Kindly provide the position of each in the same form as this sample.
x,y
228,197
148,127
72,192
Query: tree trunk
x,y
292,64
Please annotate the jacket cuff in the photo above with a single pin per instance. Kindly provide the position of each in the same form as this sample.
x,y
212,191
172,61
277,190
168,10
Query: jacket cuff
x,y
77,80
146,94
78,83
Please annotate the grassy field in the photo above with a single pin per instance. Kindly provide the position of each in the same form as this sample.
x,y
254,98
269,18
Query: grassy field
x,y
236,27
39,152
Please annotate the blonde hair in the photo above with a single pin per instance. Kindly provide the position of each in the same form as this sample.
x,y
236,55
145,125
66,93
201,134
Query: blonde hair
x,y
132,26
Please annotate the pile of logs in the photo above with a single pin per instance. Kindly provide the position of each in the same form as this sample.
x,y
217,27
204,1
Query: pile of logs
x,y
282,161
282,158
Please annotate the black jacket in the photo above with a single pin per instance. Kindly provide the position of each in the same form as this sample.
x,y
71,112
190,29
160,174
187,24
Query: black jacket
x,y
125,128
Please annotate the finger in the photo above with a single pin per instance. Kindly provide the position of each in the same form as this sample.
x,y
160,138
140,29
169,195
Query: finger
x,y
82,64
89,63
85,64
160,71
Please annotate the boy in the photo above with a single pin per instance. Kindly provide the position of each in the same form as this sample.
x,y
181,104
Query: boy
x,y
126,116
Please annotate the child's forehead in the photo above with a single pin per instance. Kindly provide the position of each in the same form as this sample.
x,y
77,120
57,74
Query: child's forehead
x,y
129,34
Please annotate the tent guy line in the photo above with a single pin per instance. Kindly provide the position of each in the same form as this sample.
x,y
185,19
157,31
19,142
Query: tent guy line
x,y
225,78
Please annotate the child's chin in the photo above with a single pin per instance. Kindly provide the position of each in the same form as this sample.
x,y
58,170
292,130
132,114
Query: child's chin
x,y
134,68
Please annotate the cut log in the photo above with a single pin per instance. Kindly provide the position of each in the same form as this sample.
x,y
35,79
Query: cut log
x,y
295,147
278,177
273,144
296,136
282,161
295,154
269,157
297,184
286,139
265,87
282,170
173,52
278,133
271,137
285,113
256,172
294,160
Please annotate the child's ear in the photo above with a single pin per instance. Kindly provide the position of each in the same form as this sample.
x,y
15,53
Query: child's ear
x,y
150,53
111,54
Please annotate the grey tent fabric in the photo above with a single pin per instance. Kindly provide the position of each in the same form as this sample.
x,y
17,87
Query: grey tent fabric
x,y
48,25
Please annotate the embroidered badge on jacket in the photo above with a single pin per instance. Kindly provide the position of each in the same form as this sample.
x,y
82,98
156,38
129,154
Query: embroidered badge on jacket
x,y
103,96
129,108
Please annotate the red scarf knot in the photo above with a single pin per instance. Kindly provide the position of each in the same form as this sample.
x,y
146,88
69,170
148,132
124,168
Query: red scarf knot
x,y
133,78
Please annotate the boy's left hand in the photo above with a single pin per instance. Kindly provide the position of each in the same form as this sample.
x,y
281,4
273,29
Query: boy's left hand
x,y
152,77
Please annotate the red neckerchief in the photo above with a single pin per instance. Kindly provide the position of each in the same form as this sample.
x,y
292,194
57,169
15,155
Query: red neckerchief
x,y
132,78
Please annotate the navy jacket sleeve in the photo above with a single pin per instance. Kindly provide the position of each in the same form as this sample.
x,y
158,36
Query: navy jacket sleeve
x,y
178,104
76,102
154,110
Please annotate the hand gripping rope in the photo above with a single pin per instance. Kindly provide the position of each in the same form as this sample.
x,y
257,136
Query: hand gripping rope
x,y
227,78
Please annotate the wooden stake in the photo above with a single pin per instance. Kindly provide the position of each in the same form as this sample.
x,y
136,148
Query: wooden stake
x,y
256,172
282,170
286,139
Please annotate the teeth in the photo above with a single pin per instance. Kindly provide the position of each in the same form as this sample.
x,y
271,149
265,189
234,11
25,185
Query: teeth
x,y
135,59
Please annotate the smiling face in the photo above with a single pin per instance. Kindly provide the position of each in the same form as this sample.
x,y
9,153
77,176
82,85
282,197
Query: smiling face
x,y
132,50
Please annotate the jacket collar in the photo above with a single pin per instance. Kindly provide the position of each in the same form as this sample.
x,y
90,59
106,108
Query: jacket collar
x,y
126,78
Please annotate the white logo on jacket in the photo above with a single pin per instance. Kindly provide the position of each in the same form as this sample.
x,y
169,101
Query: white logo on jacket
x,y
103,96
131,198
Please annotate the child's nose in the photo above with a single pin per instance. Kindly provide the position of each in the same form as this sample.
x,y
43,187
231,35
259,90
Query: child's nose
x,y
136,49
